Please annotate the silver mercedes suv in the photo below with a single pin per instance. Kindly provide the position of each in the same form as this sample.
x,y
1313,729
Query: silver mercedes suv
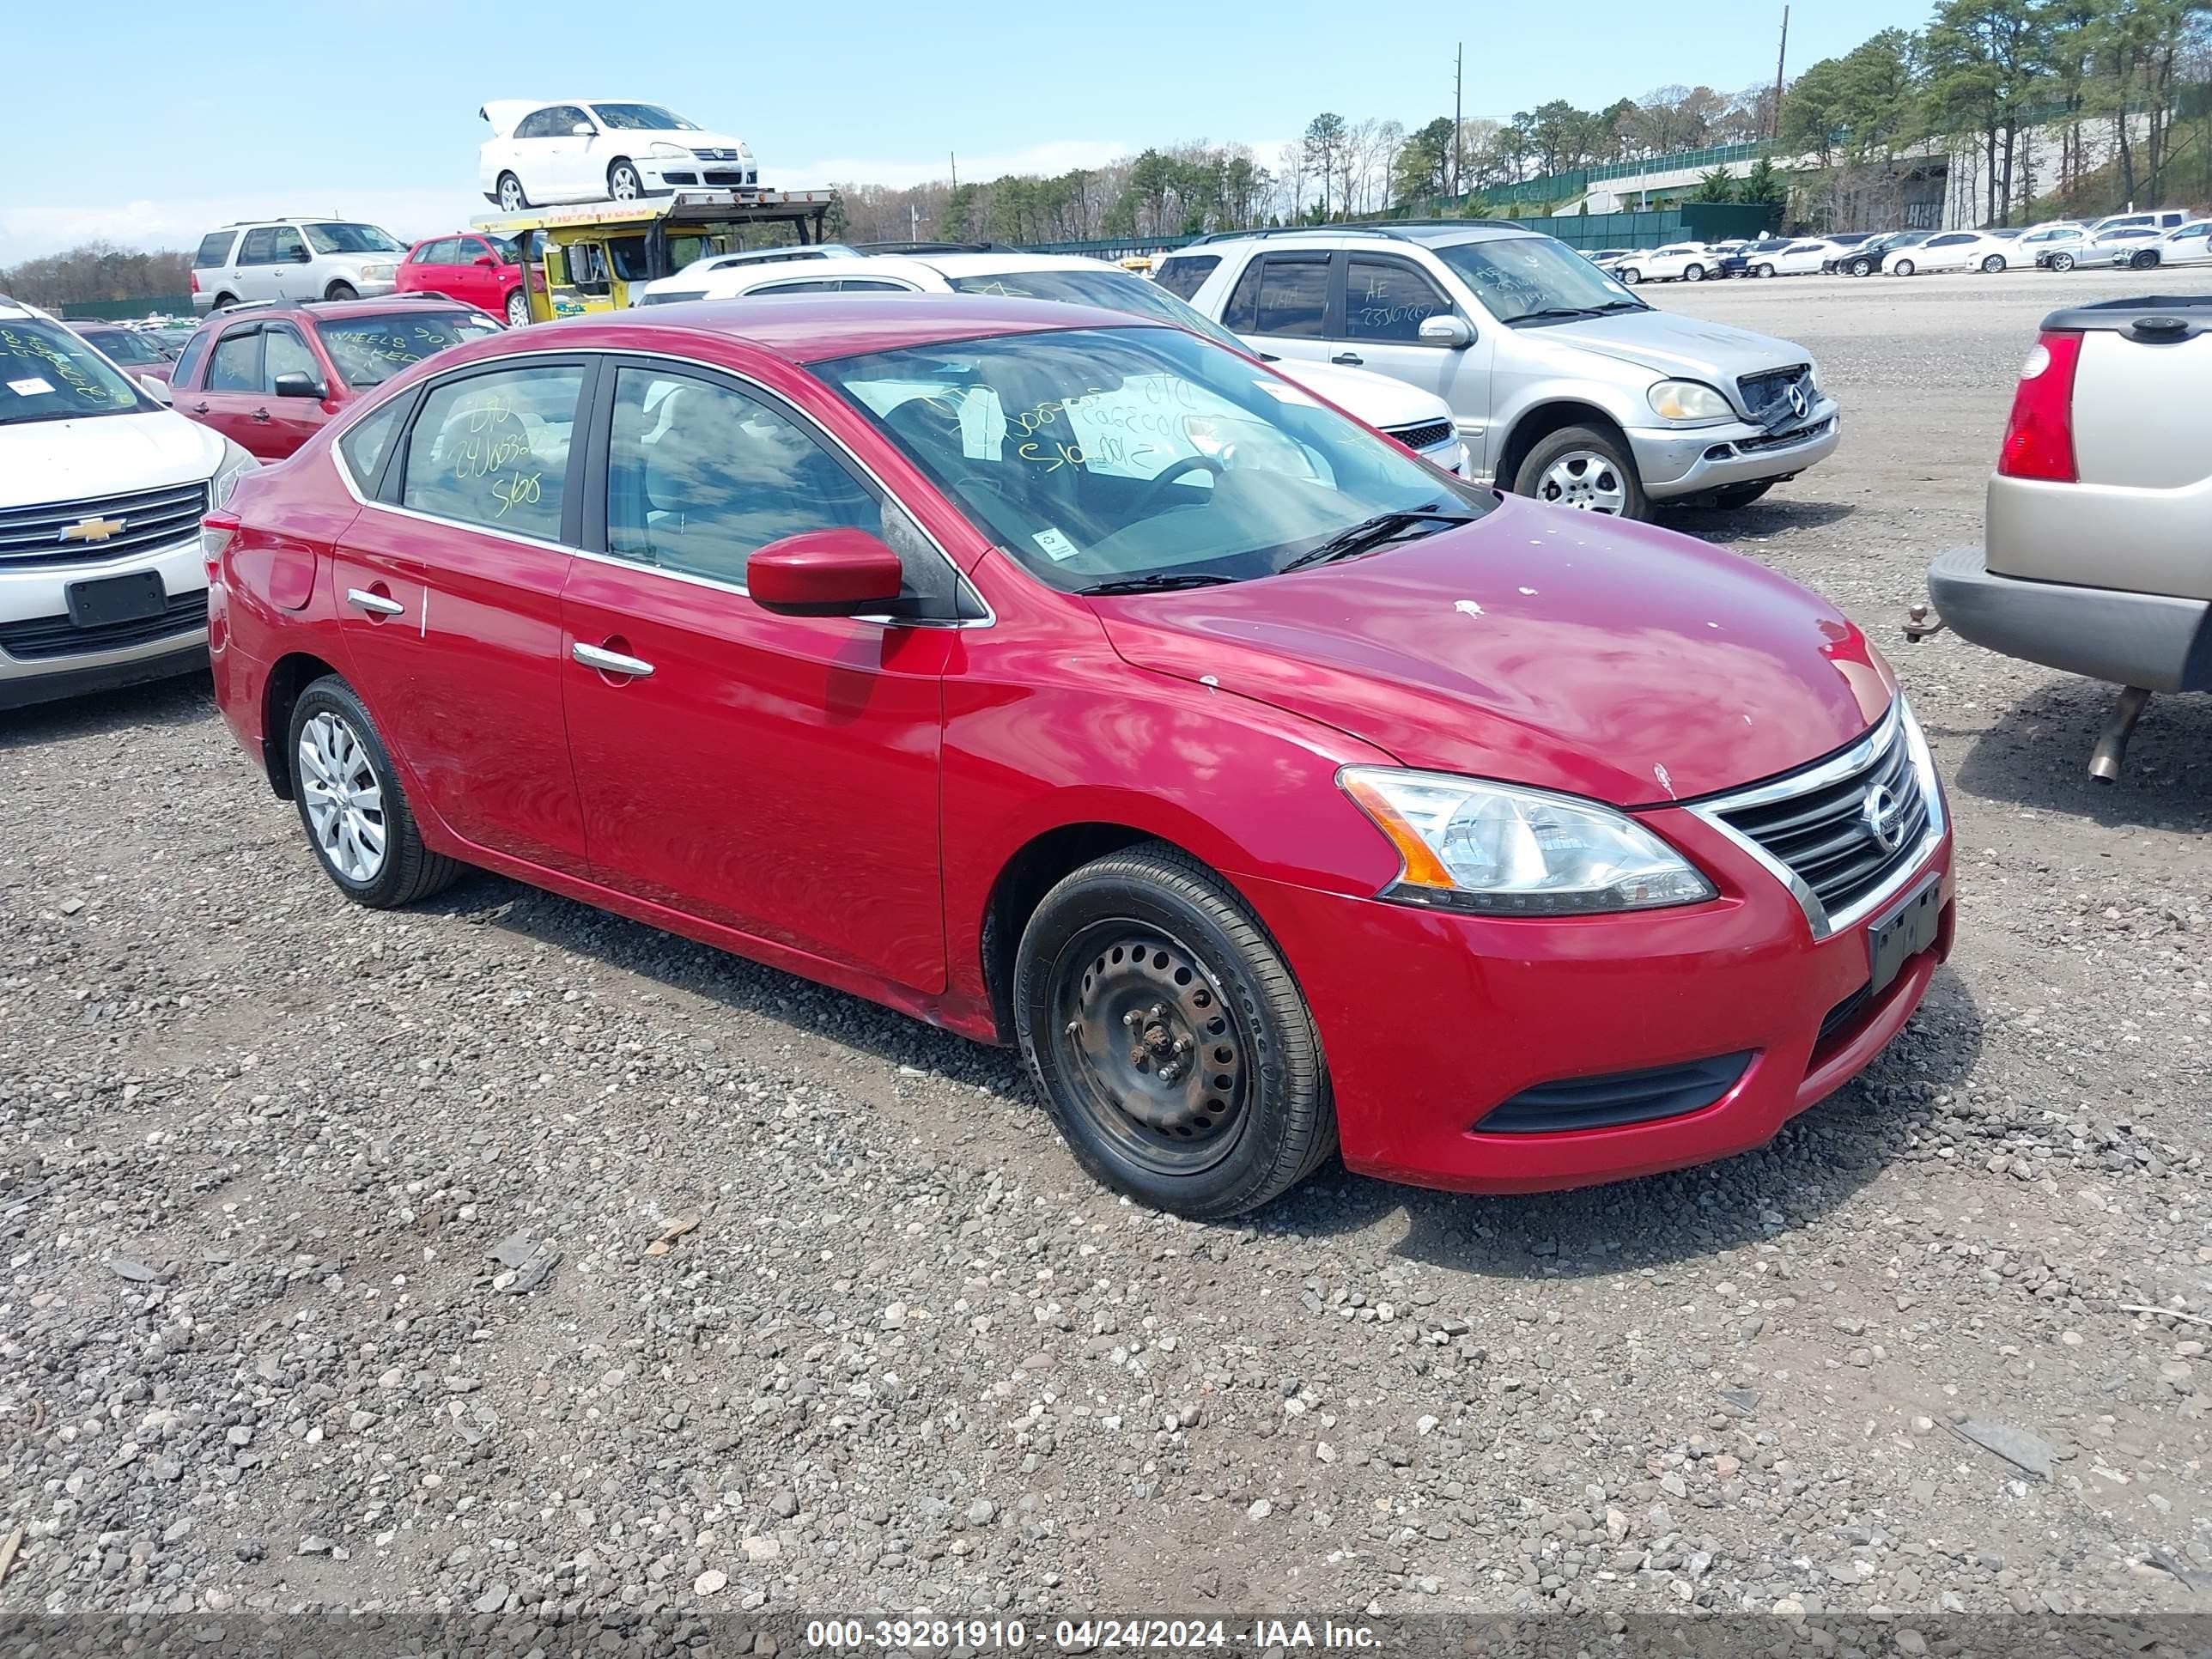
x,y
1564,384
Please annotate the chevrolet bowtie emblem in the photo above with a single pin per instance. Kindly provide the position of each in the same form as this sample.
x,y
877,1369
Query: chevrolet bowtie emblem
x,y
92,529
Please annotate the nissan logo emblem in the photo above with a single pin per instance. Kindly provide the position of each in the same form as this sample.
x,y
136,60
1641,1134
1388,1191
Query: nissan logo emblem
x,y
1882,813
1800,404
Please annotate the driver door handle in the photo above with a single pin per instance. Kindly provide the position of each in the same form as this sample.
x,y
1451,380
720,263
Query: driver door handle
x,y
610,662
1349,359
260,414
200,408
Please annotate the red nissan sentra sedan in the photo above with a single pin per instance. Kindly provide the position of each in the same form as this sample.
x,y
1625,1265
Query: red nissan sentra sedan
x,y
1080,683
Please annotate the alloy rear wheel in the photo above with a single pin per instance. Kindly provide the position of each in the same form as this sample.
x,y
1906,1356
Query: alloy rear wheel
x,y
353,805
510,196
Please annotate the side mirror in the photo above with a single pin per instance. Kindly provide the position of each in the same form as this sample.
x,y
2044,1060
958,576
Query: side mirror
x,y
485,260
584,130
154,387
300,255
1451,332
823,572
297,383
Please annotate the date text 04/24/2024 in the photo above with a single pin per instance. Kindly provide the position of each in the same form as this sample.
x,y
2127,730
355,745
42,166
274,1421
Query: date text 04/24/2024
x,y
1082,1635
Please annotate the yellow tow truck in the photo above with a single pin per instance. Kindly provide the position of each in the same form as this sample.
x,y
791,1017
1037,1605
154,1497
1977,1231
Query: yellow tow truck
x,y
589,258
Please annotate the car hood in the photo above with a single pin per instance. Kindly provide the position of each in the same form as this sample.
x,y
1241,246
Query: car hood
x,y
1375,398
43,461
1674,345
1556,649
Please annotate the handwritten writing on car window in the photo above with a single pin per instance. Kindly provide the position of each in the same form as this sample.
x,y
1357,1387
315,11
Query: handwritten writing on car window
x,y
53,361
494,452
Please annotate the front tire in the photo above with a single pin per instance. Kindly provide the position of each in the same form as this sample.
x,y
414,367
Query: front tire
x,y
1629,275
1993,264
340,291
510,196
1764,270
1582,468
2146,260
1173,1047
2062,262
518,309
624,184
1859,267
1901,268
352,806
1695,274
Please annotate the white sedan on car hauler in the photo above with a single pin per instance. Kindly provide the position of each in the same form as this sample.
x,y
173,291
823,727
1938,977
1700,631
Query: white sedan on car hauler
x,y
596,150
1687,261
1954,250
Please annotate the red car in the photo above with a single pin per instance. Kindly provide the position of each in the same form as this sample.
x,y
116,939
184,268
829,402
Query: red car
x,y
270,377
1080,683
470,266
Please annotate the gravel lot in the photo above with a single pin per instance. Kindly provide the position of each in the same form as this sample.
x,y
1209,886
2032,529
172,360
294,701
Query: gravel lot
x,y
259,1147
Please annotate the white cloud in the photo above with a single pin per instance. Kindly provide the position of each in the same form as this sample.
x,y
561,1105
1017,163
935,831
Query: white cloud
x,y
180,221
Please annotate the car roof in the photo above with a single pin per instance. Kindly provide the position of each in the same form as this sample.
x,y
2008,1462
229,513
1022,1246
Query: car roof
x,y
1006,262
399,306
1446,234
816,327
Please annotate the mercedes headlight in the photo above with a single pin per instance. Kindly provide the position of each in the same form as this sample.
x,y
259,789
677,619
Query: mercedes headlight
x,y
1688,400
1466,844
236,458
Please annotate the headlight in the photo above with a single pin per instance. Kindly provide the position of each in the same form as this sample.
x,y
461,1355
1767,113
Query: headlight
x,y
1688,400
1465,844
1814,367
377,273
235,459
666,149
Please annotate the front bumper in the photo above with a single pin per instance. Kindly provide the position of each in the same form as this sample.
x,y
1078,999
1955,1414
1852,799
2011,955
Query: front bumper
x,y
2154,641
1431,1021
37,600
1674,461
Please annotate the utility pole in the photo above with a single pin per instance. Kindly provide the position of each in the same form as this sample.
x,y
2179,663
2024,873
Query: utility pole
x,y
955,155
1779,57
1459,64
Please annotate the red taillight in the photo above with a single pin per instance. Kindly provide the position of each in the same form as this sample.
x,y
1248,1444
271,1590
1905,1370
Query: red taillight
x,y
2038,440
215,531
196,282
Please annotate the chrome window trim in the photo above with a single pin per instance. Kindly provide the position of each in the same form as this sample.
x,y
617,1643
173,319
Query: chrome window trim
x,y
480,365
1896,724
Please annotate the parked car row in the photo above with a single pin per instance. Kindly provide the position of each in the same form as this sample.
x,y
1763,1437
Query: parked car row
x,y
2139,241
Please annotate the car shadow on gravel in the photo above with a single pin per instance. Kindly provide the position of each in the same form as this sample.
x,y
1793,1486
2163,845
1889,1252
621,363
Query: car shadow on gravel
x,y
2036,755
178,701
1821,1158
1769,516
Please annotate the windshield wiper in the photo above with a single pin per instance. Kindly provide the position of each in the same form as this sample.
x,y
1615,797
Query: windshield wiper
x,y
1160,582
1366,535
1550,311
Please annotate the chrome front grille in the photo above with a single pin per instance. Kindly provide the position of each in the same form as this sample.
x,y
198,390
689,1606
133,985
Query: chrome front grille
x,y
80,532
715,154
1763,390
1847,832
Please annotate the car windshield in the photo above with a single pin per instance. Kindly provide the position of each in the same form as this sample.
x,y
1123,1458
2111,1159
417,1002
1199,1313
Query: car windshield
x,y
641,118
1122,458
1109,290
47,374
1526,279
341,237
369,350
120,345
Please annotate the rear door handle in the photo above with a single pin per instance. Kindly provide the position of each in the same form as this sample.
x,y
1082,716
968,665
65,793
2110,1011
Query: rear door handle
x,y
375,603
610,662
260,414
1350,359
199,408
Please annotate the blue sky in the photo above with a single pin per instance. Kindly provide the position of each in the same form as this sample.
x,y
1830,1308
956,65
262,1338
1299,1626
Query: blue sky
x,y
368,107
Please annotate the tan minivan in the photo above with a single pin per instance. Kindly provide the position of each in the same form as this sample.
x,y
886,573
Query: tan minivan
x,y
2097,546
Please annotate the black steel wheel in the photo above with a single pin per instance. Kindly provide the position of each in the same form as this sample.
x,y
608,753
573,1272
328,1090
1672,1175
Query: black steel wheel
x,y
1171,1044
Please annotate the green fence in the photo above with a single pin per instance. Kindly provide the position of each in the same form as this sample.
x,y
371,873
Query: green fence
x,y
1564,186
1694,222
172,305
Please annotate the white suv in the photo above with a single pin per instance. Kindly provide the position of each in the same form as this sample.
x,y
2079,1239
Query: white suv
x,y
101,490
296,260
1420,420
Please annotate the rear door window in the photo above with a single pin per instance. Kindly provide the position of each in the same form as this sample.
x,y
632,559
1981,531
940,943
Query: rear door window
x,y
1184,277
236,365
215,250
492,449
1293,296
